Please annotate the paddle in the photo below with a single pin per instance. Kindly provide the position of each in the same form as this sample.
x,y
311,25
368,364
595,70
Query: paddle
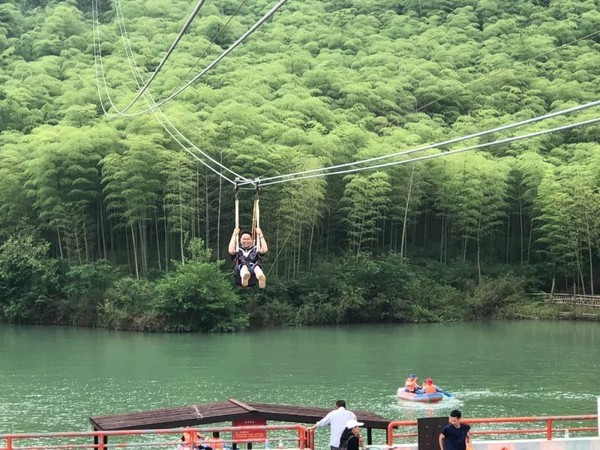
x,y
447,394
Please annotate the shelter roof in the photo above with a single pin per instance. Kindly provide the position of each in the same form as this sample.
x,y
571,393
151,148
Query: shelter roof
x,y
232,409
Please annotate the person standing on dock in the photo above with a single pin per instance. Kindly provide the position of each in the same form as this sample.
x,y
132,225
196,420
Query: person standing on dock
x,y
215,442
192,440
351,438
337,420
455,435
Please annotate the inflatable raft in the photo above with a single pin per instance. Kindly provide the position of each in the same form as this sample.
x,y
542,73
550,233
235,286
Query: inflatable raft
x,y
424,398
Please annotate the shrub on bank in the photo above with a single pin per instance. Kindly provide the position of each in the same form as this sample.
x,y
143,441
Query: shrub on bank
x,y
127,306
84,288
200,295
493,297
28,281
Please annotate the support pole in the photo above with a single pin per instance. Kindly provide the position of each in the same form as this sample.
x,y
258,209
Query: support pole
x,y
256,199
237,211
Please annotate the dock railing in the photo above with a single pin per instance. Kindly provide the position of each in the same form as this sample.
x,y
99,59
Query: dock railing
x,y
548,426
287,437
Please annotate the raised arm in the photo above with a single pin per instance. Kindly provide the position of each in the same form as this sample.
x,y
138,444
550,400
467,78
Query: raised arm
x,y
233,241
261,242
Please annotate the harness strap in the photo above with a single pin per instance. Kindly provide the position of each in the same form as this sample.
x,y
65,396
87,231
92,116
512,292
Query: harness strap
x,y
255,213
237,212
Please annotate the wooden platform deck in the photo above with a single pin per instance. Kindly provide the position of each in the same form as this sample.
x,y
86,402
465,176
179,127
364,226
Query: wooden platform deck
x,y
232,409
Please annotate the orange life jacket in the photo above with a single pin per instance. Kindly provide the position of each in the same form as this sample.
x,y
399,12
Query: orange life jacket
x,y
191,438
215,443
429,389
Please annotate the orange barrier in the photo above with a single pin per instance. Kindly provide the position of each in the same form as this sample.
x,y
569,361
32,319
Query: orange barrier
x,y
549,429
302,438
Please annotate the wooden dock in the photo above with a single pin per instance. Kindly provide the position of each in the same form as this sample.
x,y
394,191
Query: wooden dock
x,y
232,409
577,299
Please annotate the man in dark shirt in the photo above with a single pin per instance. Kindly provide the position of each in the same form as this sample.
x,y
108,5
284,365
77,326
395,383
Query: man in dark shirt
x,y
455,435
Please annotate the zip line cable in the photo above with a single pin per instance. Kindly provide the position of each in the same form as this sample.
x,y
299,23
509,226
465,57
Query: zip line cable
x,y
216,61
269,180
100,64
137,80
163,118
483,133
450,152
332,170
214,39
165,58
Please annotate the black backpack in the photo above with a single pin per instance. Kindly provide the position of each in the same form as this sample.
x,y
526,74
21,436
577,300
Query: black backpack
x,y
346,435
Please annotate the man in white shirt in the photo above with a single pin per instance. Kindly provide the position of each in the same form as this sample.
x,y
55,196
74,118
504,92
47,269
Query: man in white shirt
x,y
336,419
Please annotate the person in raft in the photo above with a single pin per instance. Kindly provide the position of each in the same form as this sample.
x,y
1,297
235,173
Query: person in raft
x,y
410,385
429,387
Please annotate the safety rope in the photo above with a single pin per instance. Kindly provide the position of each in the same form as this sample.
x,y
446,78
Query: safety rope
x,y
256,213
237,213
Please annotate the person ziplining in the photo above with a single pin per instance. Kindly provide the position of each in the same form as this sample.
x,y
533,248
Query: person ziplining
x,y
248,247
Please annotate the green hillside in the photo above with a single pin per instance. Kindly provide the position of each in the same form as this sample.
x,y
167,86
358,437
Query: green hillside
x,y
118,213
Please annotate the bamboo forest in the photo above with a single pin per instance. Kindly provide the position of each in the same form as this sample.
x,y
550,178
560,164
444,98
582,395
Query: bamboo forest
x,y
415,160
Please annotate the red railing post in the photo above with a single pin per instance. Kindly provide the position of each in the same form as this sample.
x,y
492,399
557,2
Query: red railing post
x,y
9,443
302,436
549,428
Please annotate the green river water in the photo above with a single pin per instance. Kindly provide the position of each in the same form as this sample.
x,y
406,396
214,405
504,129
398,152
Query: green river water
x,y
55,378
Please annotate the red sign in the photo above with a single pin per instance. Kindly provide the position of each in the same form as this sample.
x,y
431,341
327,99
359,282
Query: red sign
x,y
249,435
